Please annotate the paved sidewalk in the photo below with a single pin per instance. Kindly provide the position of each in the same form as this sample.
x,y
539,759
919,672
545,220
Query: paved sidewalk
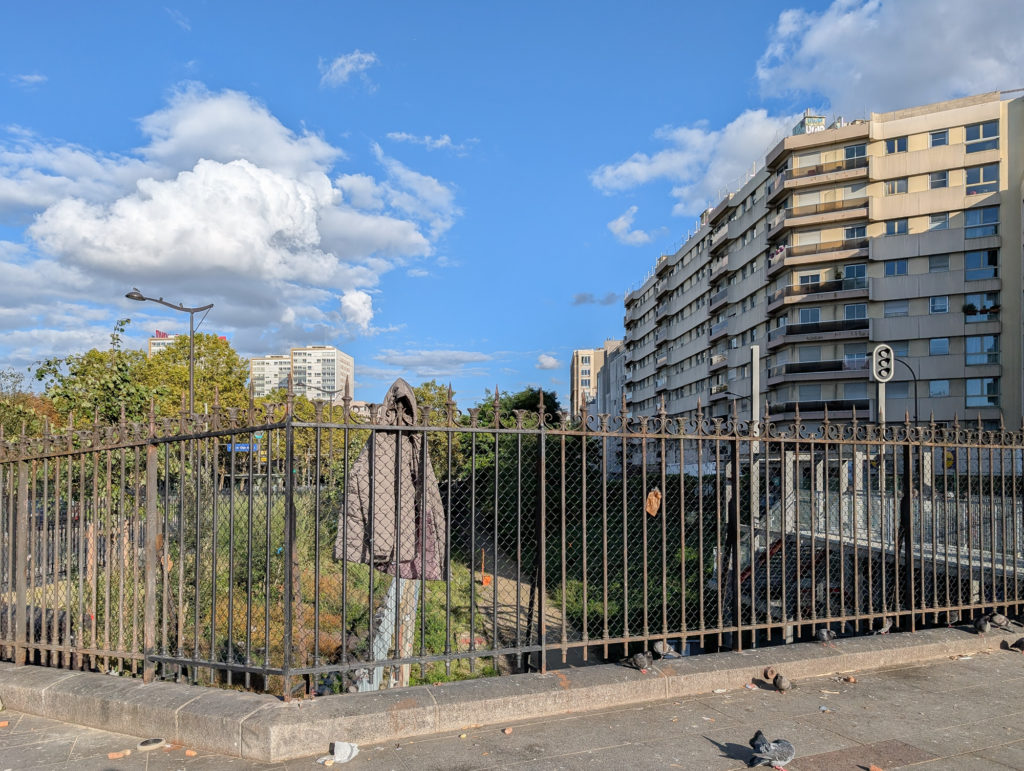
x,y
964,713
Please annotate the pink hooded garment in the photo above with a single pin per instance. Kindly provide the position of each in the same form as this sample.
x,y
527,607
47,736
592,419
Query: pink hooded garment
x,y
392,487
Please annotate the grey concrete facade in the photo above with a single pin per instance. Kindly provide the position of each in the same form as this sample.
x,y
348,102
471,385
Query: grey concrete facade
x,y
903,228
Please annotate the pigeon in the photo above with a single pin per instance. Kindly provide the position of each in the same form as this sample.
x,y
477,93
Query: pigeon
x,y
999,620
983,624
1018,646
884,628
775,754
663,649
825,637
952,619
642,660
781,683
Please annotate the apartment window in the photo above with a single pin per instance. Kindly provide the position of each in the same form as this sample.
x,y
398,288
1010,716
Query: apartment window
x,y
896,186
938,221
896,227
982,179
855,277
585,372
851,152
894,308
854,355
938,388
896,267
809,353
896,145
810,393
977,307
938,263
585,383
810,278
938,179
938,346
981,264
855,391
982,136
856,311
938,304
981,349
983,392
900,347
981,221
810,315
584,360
897,390
939,138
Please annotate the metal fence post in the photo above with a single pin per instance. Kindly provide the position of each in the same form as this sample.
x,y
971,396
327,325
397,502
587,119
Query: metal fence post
x,y
20,567
151,562
290,582
906,533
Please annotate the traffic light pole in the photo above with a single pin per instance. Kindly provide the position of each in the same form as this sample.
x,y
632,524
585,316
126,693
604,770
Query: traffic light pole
x,y
880,402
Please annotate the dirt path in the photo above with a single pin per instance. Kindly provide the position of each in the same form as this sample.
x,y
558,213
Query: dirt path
x,y
509,595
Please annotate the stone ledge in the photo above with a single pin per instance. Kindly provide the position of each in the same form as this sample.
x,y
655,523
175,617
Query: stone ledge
x,y
261,727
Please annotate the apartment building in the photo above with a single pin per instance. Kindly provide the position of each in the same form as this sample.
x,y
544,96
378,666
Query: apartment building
x,y
160,341
268,373
584,368
318,372
903,228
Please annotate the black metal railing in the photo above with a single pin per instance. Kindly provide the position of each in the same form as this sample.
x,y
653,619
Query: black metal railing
x,y
820,287
825,168
298,549
815,327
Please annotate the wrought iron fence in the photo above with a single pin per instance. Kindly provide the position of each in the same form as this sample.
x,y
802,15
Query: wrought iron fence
x,y
286,549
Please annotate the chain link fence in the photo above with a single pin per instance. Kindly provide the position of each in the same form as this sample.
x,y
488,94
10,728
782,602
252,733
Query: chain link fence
x,y
320,552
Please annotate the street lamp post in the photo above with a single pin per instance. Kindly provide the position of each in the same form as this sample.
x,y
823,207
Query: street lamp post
x,y
135,294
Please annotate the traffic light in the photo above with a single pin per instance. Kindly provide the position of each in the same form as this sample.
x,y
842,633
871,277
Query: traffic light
x,y
882,363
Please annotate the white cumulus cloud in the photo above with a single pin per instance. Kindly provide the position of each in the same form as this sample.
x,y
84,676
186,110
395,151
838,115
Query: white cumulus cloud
x,y
700,162
853,58
357,308
620,228
222,203
877,55
544,361
338,71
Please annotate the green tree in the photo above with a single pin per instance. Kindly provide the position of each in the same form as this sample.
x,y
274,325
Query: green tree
x,y
96,382
219,370
19,407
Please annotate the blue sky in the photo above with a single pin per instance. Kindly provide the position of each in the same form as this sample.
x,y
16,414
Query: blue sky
x,y
460,191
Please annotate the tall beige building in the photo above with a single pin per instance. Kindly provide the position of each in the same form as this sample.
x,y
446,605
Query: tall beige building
x,y
318,371
903,228
584,367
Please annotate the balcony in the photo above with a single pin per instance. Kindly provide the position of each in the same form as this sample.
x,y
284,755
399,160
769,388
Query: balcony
x,y
717,361
718,298
718,330
719,269
819,330
803,254
788,178
851,287
835,407
719,388
832,369
819,213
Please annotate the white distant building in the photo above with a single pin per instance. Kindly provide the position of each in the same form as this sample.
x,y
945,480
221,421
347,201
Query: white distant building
x,y
318,372
268,373
159,342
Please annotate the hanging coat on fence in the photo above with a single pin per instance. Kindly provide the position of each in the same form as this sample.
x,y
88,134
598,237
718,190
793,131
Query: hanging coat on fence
x,y
392,493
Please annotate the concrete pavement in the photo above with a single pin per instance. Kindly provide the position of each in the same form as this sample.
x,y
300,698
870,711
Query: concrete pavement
x,y
962,713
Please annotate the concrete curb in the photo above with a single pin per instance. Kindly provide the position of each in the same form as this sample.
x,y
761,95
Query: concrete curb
x,y
264,728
